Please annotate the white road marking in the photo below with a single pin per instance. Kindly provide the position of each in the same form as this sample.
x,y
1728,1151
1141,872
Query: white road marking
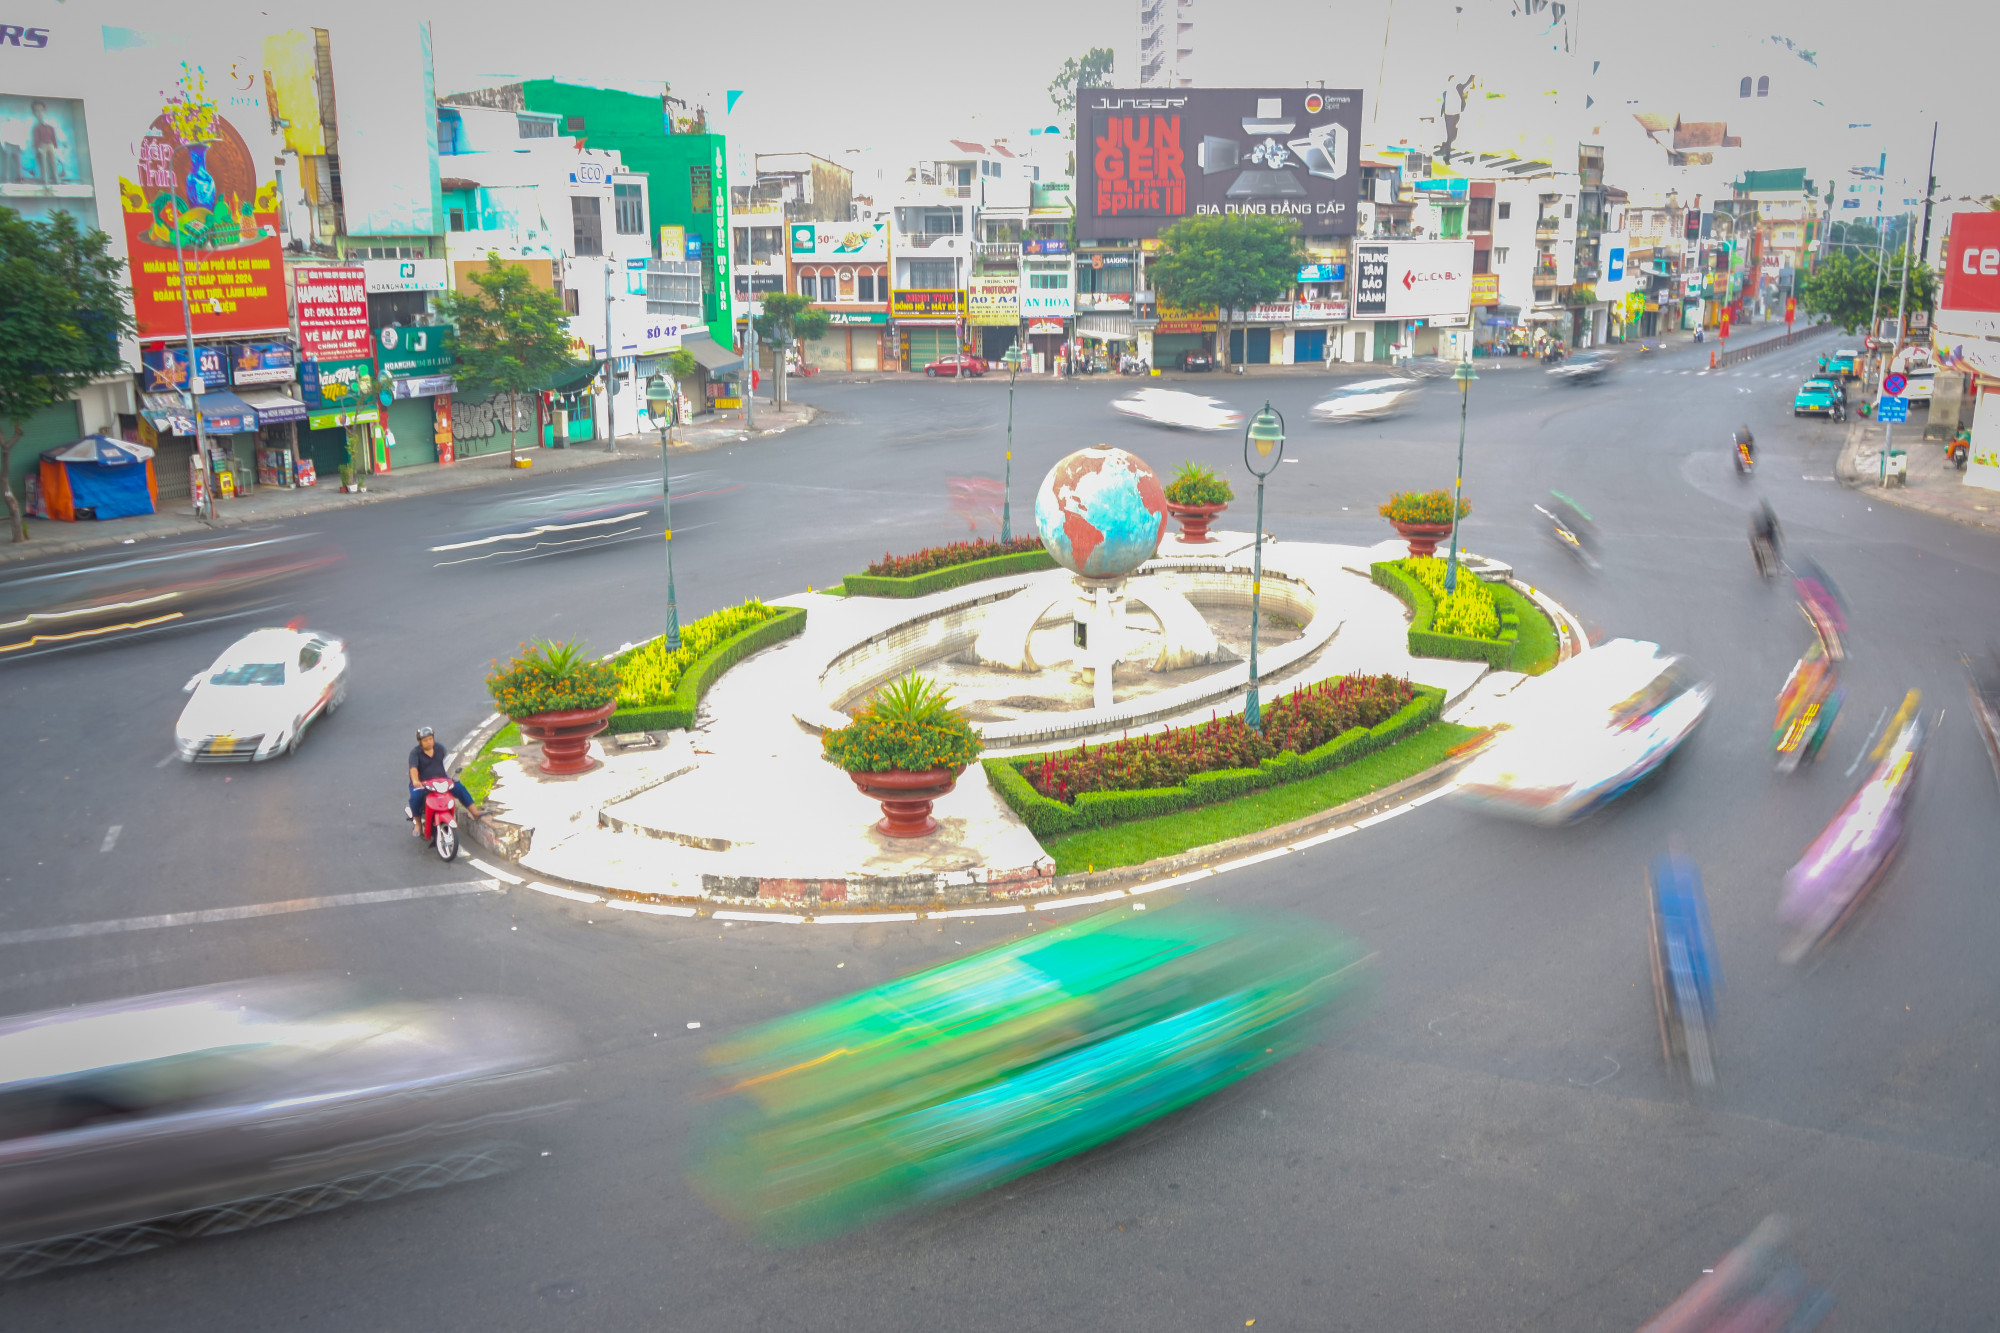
x,y
783,918
1084,901
856,918
168,760
1014,910
650,909
494,871
249,911
574,895
111,838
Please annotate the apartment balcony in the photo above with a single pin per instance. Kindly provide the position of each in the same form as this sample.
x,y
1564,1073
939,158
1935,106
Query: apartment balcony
x,y
1547,226
1002,251
930,240
1590,228
1586,273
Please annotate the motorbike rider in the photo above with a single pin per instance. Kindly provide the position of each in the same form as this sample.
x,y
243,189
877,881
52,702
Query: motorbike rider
x,y
1764,528
426,763
1747,442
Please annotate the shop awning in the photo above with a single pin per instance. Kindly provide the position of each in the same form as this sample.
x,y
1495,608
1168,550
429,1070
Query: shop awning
x,y
572,377
223,413
274,406
710,356
1105,328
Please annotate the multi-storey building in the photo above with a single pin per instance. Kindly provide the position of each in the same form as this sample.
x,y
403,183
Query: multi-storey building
x,y
1166,43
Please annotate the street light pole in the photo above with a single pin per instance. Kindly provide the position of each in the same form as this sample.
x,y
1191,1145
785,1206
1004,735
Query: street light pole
x,y
1013,363
610,366
1462,376
1265,439
660,398
206,509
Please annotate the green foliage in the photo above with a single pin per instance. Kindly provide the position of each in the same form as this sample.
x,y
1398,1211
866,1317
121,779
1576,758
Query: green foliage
x,y
1842,288
1092,69
1229,261
909,726
550,677
788,315
1468,610
649,674
681,365
512,336
682,709
1197,485
952,576
478,775
62,312
1501,651
1422,507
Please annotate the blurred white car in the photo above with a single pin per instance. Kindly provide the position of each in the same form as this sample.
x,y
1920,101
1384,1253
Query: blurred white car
x,y
1918,390
1582,734
1368,400
259,697
1172,407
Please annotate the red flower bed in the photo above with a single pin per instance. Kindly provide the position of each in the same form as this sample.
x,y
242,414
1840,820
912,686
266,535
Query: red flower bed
x,y
944,557
1299,721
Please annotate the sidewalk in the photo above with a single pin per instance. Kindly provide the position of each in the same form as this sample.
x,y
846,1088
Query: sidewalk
x,y
48,537
1935,486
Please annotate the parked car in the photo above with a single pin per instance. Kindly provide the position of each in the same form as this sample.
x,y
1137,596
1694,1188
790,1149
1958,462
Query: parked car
x,y
1845,363
1919,388
1368,400
259,697
1197,361
958,363
1183,411
1819,396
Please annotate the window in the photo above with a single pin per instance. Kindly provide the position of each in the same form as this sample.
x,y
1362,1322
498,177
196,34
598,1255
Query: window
x,y
1049,281
630,203
1743,88
1452,223
1505,210
1481,261
1499,254
933,274
1764,85
1569,210
808,286
534,127
310,654
864,288
569,302
1479,214
458,219
588,221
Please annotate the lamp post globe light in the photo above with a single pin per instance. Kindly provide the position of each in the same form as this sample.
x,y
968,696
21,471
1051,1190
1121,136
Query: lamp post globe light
x,y
1263,450
660,401
1463,377
1012,361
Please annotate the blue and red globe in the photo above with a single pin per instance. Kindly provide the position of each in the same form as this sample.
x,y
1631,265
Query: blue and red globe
x,y
1100,512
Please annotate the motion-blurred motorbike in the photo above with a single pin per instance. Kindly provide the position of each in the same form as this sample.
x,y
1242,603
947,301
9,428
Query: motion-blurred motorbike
x,y
1808,706
1755,1286
1685,973
1572,530
1985,690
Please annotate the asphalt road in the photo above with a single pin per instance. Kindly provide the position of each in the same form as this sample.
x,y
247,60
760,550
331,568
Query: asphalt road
x,y
1495,1143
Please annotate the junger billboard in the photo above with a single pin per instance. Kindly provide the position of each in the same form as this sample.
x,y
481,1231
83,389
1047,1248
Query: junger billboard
x,y
1151,156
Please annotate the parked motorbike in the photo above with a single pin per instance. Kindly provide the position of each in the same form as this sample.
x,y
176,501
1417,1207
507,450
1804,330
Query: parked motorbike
x,y
1957,452
441,818
1849,856
1133,365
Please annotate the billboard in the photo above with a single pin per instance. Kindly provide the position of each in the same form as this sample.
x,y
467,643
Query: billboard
x,y
1412,279
993,298
332,305
1972,263
1148,157
858,242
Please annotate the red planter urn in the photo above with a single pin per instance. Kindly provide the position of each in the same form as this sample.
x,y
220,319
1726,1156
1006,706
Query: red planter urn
x,y
906,798
565,736
1194,520
1422,537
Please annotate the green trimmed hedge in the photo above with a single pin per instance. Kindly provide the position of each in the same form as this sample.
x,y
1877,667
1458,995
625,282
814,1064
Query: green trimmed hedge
x,y
680,712
1496,653
1045,817
952,576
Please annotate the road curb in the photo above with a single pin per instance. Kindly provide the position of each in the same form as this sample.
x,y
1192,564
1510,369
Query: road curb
x,y
1847,470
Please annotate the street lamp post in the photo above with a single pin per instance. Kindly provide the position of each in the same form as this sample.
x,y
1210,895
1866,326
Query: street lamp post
x,y
1012,361
660,400
1462,376
206,509
1263,450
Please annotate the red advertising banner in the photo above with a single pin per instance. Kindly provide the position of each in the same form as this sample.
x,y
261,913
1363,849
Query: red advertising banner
x,y
332,305
1140,168
1972,263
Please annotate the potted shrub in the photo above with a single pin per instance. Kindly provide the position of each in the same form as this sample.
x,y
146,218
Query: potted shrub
x,y
347,485
1422,518
1194,497
905,749
558,695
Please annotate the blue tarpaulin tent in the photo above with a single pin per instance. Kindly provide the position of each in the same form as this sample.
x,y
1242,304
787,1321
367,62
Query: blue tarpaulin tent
x,y
98,477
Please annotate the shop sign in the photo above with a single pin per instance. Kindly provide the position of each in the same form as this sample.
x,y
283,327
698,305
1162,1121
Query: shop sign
x,y
1174,320
1319,311
1049,194
225,420
413,349
1448,321
993,300
426,386
405,275
1972,263
1273,313
1323,273
260,363
838,242
851,318
166,368
1485,288
1111,260
1413,279
1045,327
336,384
363,416
332,305
1045,245
926,304
1147,156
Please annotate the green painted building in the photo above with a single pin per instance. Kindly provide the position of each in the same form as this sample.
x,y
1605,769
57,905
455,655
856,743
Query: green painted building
x,y
687,174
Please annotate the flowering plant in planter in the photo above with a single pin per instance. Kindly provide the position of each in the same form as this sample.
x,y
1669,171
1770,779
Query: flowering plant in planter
x,y
1422,507
944,557
549,677
1197,485
908,727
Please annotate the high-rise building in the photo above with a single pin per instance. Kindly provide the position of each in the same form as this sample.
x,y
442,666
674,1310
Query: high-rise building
x,y
1166,43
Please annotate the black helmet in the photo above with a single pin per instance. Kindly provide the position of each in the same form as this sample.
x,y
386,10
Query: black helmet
x,y
423,732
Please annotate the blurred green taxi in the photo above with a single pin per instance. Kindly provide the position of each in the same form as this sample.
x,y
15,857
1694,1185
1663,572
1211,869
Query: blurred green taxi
x,y
1822,397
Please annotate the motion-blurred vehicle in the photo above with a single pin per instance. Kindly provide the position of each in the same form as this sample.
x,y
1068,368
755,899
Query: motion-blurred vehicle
x,y
1586,732
129,1124
1182,411
957,364
1573,529
570,519
1984,684
1428,368
1197,360
1848,857
1756,1286
1743,452
1808,706
1820,397
1822,605
1582,368
1686,975
261,695
967,1075
92,599
1368,400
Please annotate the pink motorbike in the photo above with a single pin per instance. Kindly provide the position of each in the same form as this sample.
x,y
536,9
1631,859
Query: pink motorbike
x,y
441,818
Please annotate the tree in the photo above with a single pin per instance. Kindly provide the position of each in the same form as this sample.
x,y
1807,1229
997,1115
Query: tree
x,y
1842,287
681,367
1231,261
511,336
786,316
1092,69
62,312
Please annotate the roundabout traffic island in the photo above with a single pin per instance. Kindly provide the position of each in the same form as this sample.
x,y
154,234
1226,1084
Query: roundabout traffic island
x,y
1422,518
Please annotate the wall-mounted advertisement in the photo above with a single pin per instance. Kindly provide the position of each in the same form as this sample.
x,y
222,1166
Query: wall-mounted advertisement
x,y
1972,263
414,349
941,306
1047,293
332,306
1147,157
993,299
45,158
1412,279
329,385
832,242
405,275
166,368
260,363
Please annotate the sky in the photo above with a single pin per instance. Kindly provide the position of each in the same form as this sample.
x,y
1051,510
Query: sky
x,y
901,77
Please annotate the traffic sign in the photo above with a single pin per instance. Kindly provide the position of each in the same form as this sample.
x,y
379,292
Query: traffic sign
x,y
1894,383
1892,409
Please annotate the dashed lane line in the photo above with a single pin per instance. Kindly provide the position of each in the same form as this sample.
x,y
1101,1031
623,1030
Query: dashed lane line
x,y
247,912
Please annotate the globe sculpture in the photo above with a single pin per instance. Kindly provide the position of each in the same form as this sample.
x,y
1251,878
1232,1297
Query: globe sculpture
x,y
1100,512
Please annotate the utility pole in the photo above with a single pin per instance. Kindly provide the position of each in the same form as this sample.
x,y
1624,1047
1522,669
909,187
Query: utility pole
x,y
1930,188
750,361
610,365
206,509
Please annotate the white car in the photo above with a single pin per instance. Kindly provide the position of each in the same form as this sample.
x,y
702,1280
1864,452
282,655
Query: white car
x,y
259,697
1921,382
1368,400
1184,411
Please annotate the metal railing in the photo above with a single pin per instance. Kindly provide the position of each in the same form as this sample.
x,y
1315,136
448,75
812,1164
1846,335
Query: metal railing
x,y
997,249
